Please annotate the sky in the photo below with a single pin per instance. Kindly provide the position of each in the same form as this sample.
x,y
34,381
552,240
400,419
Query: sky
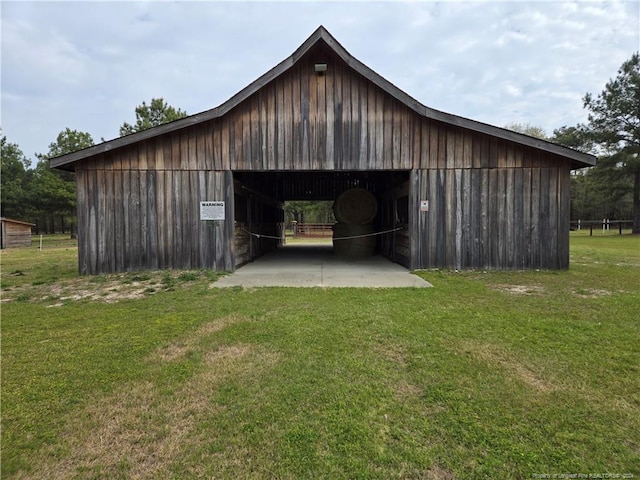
x,y
86,65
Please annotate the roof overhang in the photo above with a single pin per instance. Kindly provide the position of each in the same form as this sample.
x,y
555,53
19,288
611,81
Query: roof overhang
x,y
578,159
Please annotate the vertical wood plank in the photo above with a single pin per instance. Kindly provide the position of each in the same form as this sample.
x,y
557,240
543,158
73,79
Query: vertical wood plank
x,y
450,219
416,226
176,157
387,132
313,121
346,122
296,124
110,221
440,224
208,133
161,218
254,133
431,219
321,122
170,214
442,147
150,147
502,218
201,147
82,188
178,223
476,217
380,160
338,119
458,160
466,217
226,241
363,151
202,226
371,128
527,223
144,221
423,159
535,218
238,157
553,225
493,153
126,219
166,153
245,134
101,224
510,219
305,118
287,116
458,190
279,157
518,217
502,153
152,221
92,234
134,252
467,150
356,125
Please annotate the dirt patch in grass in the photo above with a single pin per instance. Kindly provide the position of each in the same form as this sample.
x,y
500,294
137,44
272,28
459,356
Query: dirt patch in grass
x,y
591,293
104,288
404,390
392,352
141,430
181,348
495,355
520,289
436,472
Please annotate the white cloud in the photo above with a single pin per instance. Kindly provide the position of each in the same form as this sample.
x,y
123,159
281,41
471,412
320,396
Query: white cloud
x,y
86,65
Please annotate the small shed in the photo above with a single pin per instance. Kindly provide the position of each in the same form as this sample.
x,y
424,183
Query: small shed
x,y
207,191
15,233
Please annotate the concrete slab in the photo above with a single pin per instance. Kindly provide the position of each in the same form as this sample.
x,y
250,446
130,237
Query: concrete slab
x,y
315,265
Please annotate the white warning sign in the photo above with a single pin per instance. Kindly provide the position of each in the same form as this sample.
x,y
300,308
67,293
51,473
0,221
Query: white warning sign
x,y
211,210
424,205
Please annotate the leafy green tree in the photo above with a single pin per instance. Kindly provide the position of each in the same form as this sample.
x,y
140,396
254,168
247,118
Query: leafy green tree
x,y
309,211
614,128
527,129
13,178
53,192
68,141
158,112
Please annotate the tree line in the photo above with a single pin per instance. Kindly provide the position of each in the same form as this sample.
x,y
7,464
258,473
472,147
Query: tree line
x,y
610,190
33,192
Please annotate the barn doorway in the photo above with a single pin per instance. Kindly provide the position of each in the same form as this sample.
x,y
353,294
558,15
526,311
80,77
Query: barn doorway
x,y
260,199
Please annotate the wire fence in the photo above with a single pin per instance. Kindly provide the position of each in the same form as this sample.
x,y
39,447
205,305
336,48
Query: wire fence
x,y
602,227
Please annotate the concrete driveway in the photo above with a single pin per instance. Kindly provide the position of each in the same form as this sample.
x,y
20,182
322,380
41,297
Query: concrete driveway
x,y
315,265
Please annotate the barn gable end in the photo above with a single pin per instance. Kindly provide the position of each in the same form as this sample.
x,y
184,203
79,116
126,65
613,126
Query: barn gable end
x,y
496,199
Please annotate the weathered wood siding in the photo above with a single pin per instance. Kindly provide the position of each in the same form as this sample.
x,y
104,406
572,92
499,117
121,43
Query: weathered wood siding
x,y
507,218
150,219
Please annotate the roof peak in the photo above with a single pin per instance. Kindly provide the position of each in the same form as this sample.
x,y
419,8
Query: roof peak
x,y
321,33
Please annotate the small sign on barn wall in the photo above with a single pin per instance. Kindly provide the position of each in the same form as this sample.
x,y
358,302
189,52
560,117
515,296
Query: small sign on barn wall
x,y
424,205
211,210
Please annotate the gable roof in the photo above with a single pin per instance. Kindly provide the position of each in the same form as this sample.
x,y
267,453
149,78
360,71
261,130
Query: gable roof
x,y
578,159
19,222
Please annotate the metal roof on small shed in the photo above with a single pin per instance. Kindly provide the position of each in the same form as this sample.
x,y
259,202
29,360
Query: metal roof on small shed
x,y
578,159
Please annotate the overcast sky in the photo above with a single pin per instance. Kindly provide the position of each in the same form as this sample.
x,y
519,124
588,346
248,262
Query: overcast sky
x,y
86,65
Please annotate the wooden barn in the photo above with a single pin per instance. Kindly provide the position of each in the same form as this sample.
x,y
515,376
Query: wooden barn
x,y
14,233
207,191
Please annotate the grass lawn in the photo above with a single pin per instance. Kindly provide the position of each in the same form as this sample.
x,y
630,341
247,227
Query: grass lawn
x,y
157,375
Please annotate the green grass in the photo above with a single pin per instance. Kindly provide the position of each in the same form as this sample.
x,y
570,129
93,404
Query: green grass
x,y
487,375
